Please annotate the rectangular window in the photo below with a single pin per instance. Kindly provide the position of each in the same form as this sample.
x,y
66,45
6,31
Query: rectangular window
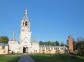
x,y
62,48
36,50
3,47
4,52
46,48
54,48
51,48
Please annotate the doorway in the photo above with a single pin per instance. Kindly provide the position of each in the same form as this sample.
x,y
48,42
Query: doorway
x,y
25,49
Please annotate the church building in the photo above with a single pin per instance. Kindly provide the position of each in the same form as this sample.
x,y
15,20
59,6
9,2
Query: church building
x,y
24,45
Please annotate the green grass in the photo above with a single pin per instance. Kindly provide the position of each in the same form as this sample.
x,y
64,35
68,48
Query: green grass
x,y
56,58
9,58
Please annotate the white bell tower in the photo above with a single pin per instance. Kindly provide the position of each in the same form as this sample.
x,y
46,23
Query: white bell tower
x,y
25,34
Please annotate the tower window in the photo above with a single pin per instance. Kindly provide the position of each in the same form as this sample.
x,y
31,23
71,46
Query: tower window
x,y
26,23
23,23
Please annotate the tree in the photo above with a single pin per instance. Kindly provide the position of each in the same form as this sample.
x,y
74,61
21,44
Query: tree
x,y
52,43
4,39
74,45
41,42
48,43
0,40
62,44
56,43
80,47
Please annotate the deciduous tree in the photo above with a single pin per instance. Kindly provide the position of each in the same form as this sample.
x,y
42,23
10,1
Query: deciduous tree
x,y
4,39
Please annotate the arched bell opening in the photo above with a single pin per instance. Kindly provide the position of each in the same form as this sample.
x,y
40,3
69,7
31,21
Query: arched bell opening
x,y
26,23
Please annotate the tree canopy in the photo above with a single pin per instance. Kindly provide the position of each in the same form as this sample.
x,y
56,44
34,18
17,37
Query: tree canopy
x,y
4,39
79,45
52,43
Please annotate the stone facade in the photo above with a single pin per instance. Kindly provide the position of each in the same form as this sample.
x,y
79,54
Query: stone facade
x,y
24,45
52,49
3,48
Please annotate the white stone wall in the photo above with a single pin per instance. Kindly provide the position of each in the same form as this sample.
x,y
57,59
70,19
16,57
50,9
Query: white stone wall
x,y
13,46
35,47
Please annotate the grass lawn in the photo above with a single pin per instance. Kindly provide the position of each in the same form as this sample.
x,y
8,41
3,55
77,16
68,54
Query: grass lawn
x,y
9,58
56,58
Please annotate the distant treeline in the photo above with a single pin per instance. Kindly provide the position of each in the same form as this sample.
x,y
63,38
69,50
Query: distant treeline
x,y
55,43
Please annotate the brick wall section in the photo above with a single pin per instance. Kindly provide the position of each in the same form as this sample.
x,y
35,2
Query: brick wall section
x,y
70,43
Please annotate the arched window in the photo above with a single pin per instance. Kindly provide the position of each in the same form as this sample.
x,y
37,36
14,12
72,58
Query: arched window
x,y
26,23
23,23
